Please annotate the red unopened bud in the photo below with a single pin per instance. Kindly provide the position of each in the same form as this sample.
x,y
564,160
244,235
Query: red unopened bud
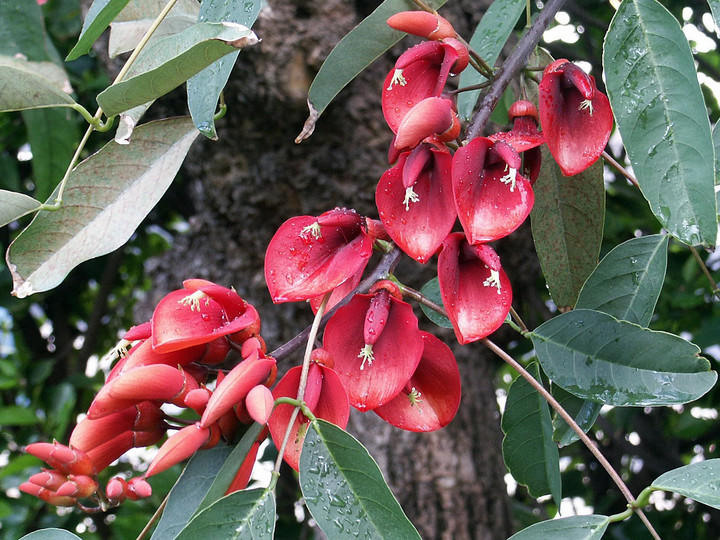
x,y
140,331
521,108
215,351
260,403
148,438
138,488
104,454
250,346
116,489
46,495
323,357
48,479
197,399
178,447
432,116
148,382
64,459
78,486
423,24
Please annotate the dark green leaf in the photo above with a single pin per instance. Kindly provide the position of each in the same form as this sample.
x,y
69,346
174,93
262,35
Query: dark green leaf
x,y
431,290
699,481
571,528
205,87
171,61
356,51
582,411
528,449
99,16
105,199
599,358
627,282
51,534
345,490
21,30
240,515
654,91
15,415
488,40
567,224
15,205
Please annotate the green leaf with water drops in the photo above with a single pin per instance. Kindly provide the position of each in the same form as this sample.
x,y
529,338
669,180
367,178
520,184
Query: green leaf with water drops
x,y
528,449
590,527
627,282
567,223
655,95
51,534
15,205
345,490
169,62
597,357
99,16
584,413
431,290
488,40
247,514
699,481
204,88
356,51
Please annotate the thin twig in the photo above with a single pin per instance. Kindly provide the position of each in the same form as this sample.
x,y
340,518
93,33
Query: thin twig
x,y
622,170
705,271
154,518
518,320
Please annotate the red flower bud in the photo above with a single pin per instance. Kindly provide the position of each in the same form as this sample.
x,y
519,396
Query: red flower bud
x,y
423,24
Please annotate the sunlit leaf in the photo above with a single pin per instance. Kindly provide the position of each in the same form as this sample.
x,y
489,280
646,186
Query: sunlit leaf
x,y
99,16
15,205
345,490
488,40
567,223
590,527
654,91
528,449
171,61
597,357
106,198
699,481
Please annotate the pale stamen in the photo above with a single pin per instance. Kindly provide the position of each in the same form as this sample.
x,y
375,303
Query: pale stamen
x,y
493,280
397,78
510,177
313,230
587,104
193,300
366,353
410,196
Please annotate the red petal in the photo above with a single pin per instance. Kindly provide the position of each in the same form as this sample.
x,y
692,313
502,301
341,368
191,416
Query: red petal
x,y
339,292
259,403
420,78
179,447
432,116
437,382
141,331
90,433
147,382
104,454
396,352
333,404
469,277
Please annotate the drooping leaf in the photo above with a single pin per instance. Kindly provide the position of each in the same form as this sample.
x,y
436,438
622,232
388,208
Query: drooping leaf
x,y
699,481
488,40
106,197
20,89
567,223
431,290
99,16
597,357
345,490
627,282
528,449
248,514
15,205
356,51
171,61
51,534
205,87
584,413
189,490
654,91
590,527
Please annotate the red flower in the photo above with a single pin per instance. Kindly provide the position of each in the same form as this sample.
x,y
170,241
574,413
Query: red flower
x,y
524,137
423,24
474,288
576,117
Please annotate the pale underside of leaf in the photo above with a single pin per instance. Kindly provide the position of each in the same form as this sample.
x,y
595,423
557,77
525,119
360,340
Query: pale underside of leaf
x,y
21,90
15,205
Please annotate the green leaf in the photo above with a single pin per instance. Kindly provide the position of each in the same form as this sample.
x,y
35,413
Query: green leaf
x,y
528,449
241,515
189,490
356,51
106,198
204,88
431,290
582,411
654,91
24,90
567,224
99,16
716,147
715,10
597,357
171,61
488,40
571,528
15,415
22,30
15,205
345,490
699,481
627,282
51,534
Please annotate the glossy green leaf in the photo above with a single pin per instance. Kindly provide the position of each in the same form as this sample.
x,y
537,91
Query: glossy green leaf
x,y
431,290
627,282
597,357
699,481
567,224
50,534
584,413
590,527
356,51
106,198
345,490
488,40
171,61
204,88
528,449
20,89
15,205
15,415
654,91
248,514
716,146
99,16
